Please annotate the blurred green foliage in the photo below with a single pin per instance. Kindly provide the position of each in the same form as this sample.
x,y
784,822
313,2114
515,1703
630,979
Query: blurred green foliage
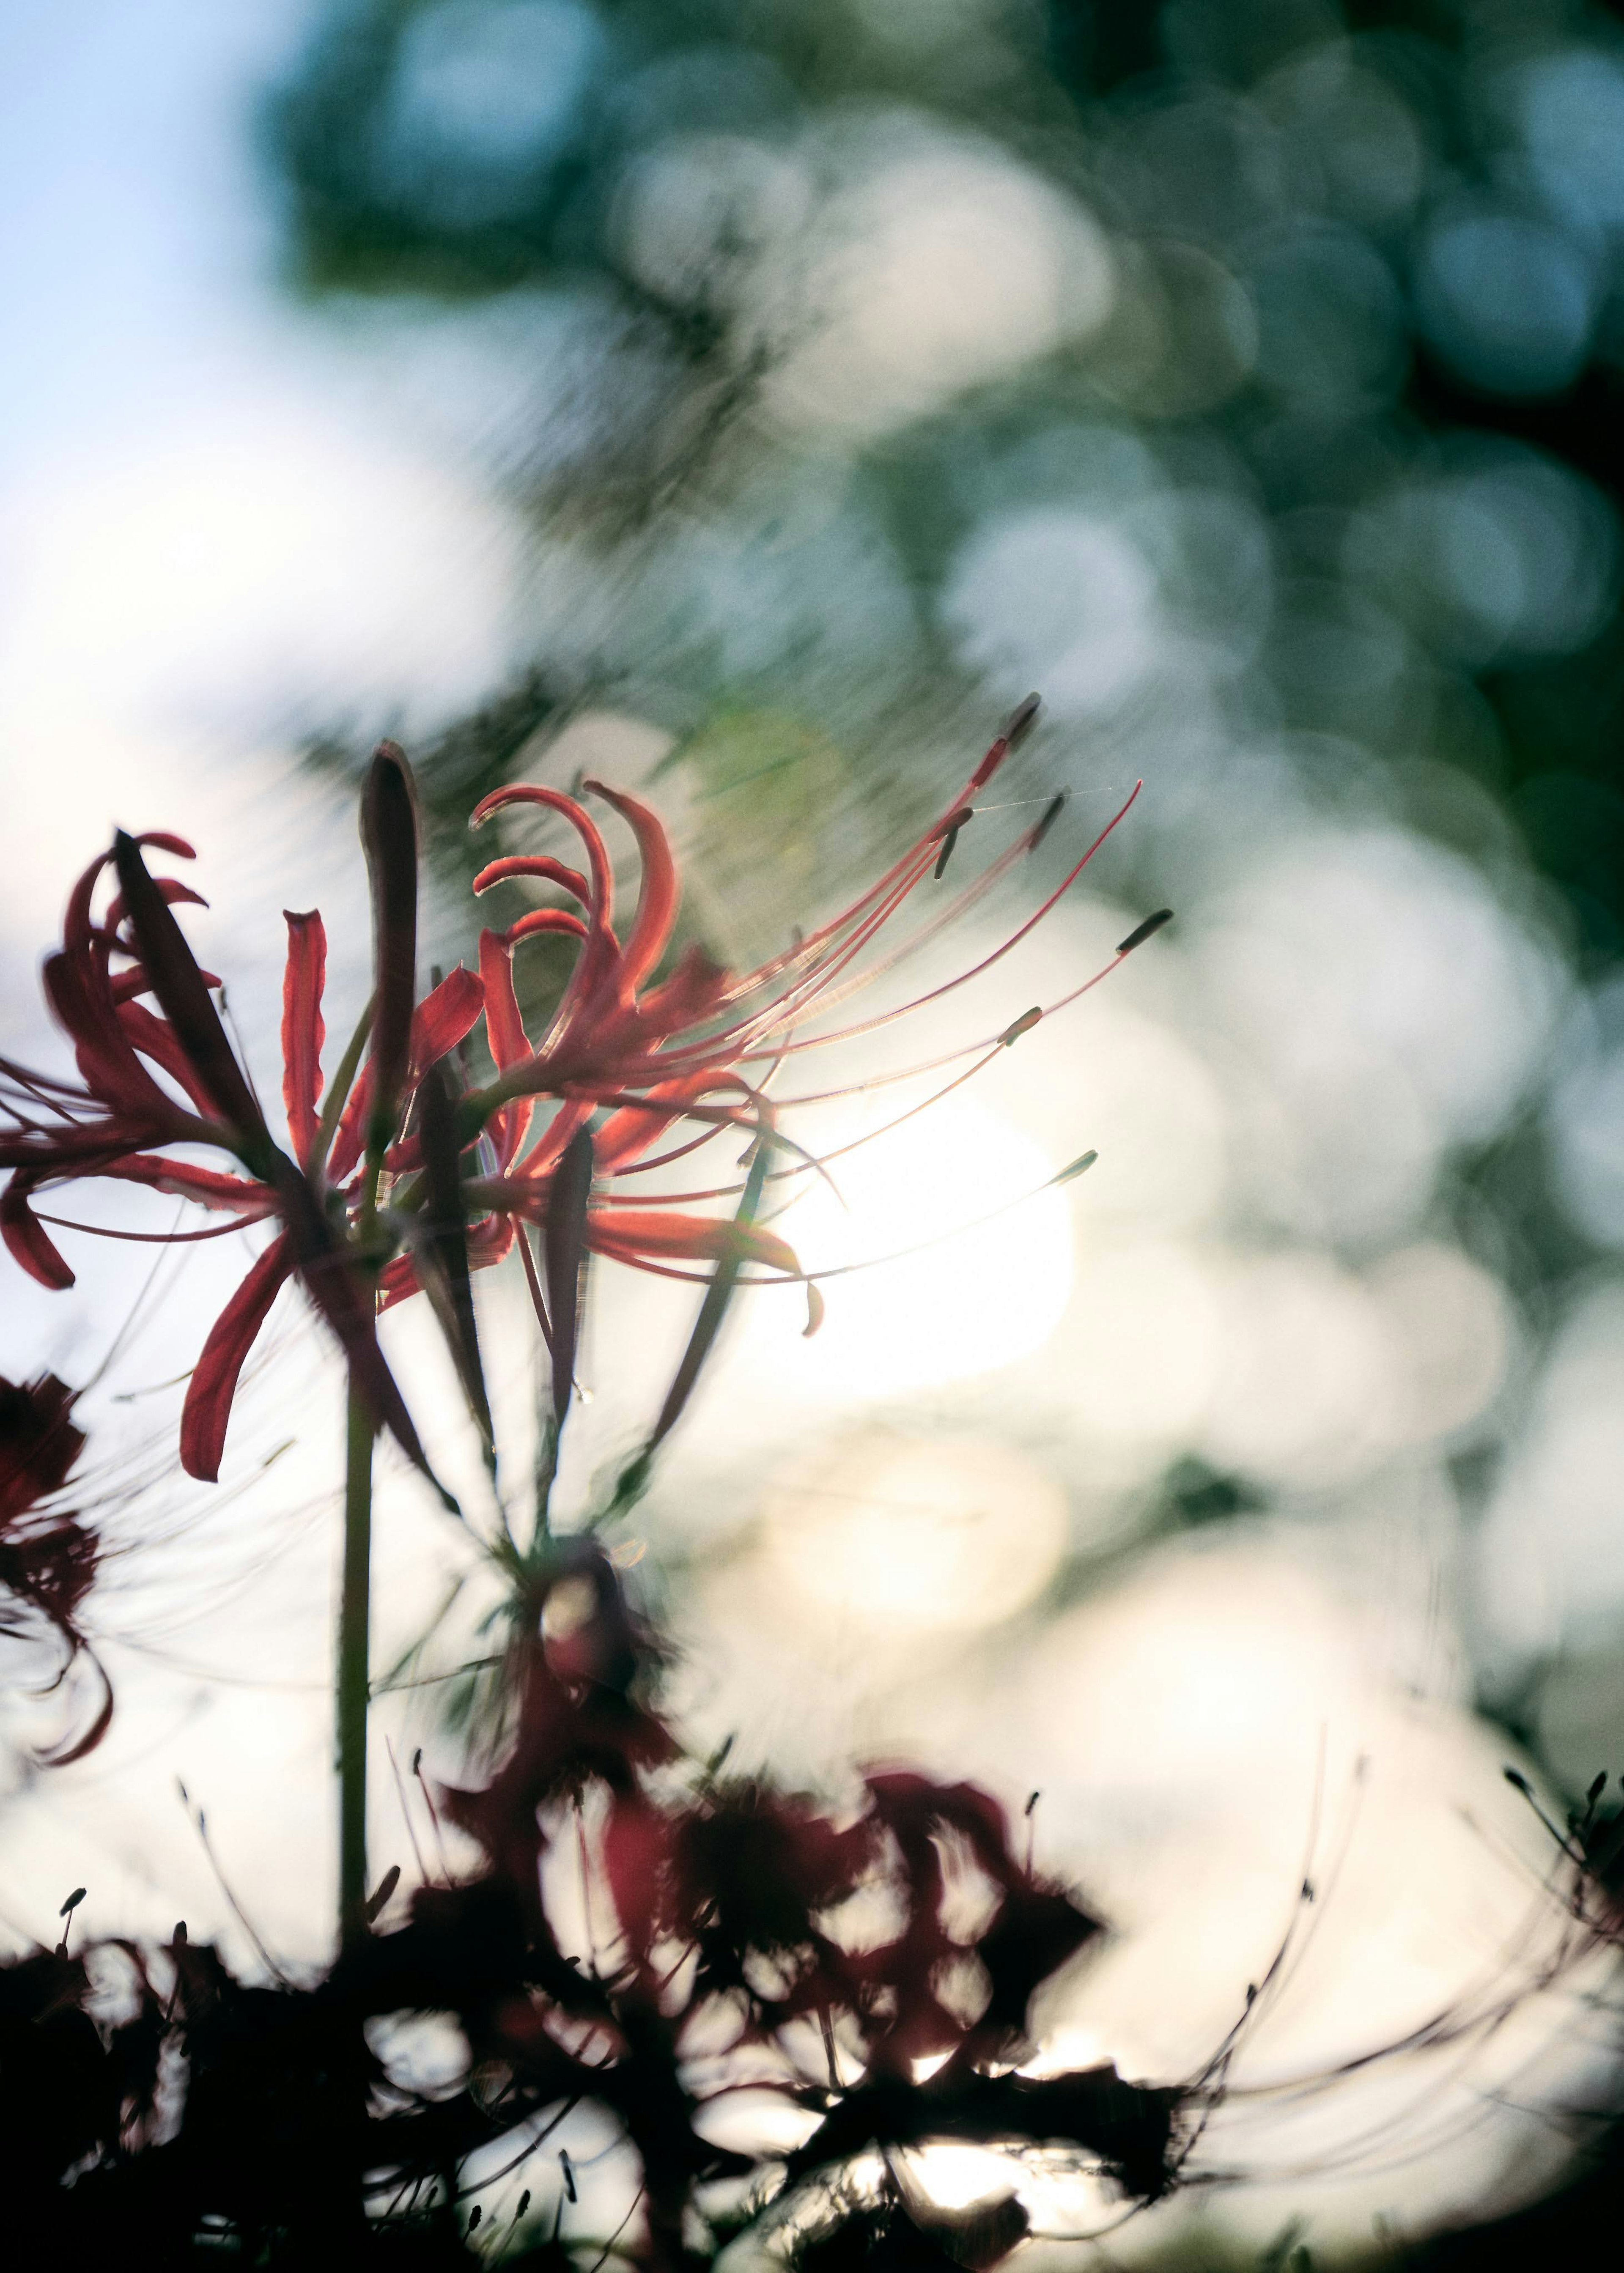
x,y
1363,254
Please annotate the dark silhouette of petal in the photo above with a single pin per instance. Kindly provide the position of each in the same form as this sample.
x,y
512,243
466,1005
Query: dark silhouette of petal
x,y
389,834
184,998
444,1242
564,1241
713,1306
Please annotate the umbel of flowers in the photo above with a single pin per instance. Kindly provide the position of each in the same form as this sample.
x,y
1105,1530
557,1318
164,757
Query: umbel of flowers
x,y
402,1173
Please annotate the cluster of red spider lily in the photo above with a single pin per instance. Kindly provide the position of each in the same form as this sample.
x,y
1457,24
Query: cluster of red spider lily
x,y
399,1175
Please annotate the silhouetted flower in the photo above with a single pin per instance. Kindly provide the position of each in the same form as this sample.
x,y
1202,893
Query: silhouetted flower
x,y
47,1554
120,1119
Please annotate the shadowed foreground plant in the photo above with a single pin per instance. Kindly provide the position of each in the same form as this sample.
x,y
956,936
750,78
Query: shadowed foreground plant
x,y
730,1960
47,1555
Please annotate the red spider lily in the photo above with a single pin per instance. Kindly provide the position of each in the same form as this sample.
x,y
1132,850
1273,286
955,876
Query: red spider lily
x,y
48,1556
121,1119
658,1055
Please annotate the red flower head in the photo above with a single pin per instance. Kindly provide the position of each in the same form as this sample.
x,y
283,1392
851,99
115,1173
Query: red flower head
x,y
153,1079
650,1054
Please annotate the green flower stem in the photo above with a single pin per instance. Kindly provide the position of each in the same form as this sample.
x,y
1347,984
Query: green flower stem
x,y
354,1667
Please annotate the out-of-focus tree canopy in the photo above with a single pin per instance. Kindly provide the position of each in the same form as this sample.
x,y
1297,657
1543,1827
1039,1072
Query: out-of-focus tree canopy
x,y
1350,275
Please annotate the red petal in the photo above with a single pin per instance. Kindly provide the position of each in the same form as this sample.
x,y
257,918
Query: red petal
x,y
215,1376
303,1032
441,1020
631,1232
637,1852
27,1240
602,955
632,1130
77,992
547,920
539,868
156,1040
602,897
658,896
209,1187
510,1043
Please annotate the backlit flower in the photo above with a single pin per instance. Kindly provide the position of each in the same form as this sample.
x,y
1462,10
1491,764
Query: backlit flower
x,y
635,1056
155,1079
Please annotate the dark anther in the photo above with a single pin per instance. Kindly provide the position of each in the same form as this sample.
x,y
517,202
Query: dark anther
x,y
1051,814
1020,720
1151,924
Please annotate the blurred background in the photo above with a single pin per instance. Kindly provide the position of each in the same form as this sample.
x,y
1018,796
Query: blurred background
x,y
749,401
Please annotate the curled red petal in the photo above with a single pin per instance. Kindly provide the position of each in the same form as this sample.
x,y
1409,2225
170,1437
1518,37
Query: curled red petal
x,y
602,893
27,1238
177,894
547,920
597,966
77,990
637,1852
302,1030
77,927
220,1363
657,895
538,867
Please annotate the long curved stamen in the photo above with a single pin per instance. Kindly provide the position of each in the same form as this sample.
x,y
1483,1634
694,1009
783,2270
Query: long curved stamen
x,y
1066,1175
970,1049
706,1137
746,1032
777,1018
951,986
973,892
148,1238
1014,733
840,1152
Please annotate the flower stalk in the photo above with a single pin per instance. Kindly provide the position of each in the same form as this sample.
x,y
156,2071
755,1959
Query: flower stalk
x,y
353,1687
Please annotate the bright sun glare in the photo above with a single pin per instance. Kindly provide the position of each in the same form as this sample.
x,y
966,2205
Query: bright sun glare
x,y
971,1301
